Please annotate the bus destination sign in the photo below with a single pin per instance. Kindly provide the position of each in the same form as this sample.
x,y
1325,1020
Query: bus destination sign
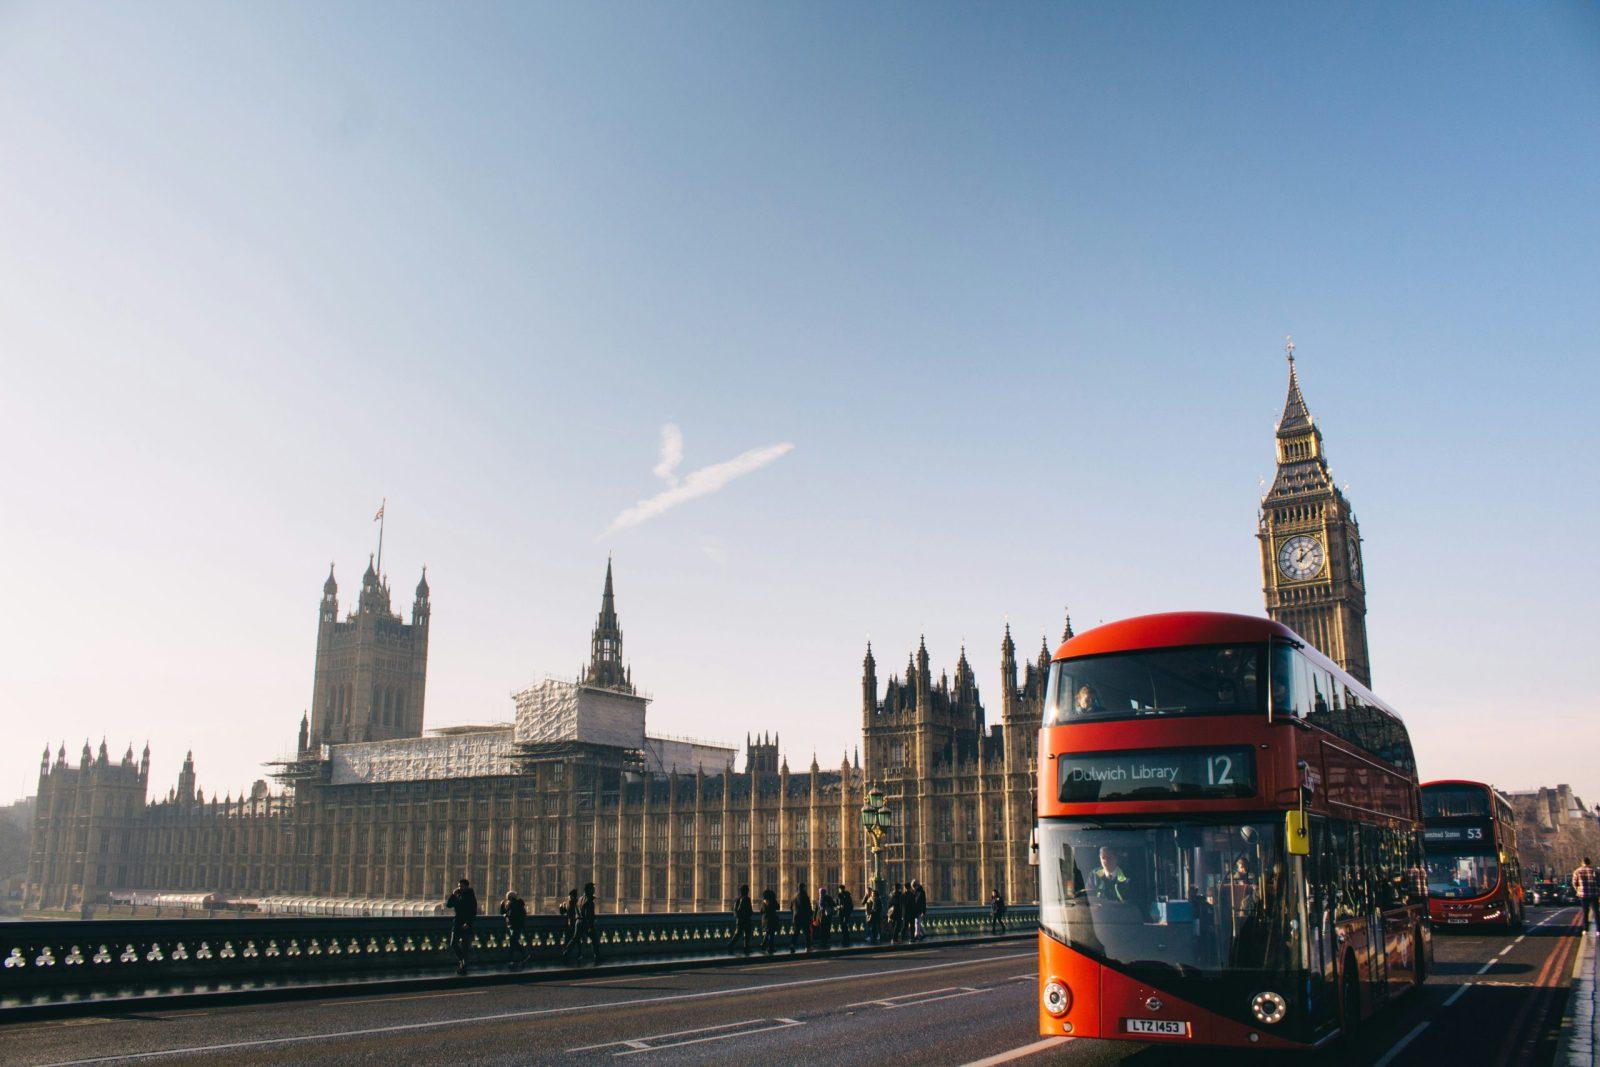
x,y
1195,773
1441,835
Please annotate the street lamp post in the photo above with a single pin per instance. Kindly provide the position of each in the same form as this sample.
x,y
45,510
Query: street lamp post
x,y
876,819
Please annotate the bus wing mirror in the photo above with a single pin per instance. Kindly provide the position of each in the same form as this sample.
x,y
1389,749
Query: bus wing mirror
x,y
1295,835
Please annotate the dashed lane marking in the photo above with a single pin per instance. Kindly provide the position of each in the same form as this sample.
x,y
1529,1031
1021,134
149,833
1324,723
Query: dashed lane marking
x,y
696,1036
1019,1052
1398,1046
911,1000
530,1013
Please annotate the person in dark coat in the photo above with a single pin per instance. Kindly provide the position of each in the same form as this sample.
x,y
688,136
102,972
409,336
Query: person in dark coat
x,y
587,927
742,915
847,911
463,903
769,920
872,909
827,911
897,913
997,913
569,916
515,913
919,908
801,915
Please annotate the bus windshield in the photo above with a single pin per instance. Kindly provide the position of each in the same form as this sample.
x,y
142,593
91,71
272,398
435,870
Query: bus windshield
x,y
1446,801
1457,875
1200,680
1171,897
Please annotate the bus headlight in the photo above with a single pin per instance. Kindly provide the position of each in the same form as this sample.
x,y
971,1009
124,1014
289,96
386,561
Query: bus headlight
x,y
1057,997
1269,1008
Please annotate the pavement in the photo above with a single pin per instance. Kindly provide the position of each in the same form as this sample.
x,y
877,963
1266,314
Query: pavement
x,y
1580,1042
1492,999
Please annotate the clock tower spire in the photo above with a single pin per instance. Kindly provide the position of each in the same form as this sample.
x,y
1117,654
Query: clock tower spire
x,y
1311,563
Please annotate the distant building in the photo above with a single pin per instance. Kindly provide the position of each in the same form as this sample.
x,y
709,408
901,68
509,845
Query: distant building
x,y
573,789
1555,830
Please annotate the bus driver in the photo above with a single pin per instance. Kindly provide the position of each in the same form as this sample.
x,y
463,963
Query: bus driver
x,y
1109,882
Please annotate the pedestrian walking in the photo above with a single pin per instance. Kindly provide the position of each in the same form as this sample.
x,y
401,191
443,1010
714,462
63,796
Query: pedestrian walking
x,y
463,904
769,920
919,908
847,911
897,913
1586,887
872,908
569,916
827,912
515,913
742,915
800,916
997,913
587,927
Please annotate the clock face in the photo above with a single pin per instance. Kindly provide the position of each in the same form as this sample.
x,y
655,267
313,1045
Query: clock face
x,y
1300,557
1355,559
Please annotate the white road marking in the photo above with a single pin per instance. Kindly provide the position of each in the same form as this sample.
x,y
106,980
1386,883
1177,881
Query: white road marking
x,y
777,1024
1398,1045
904,1000
529,1013
1453,997
642,1042
1019,1052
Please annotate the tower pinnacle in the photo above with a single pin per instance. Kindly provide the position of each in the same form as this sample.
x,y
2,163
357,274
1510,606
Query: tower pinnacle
x,y
605,645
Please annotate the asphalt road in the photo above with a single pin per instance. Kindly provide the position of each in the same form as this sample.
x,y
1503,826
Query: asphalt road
x,y
1491,1000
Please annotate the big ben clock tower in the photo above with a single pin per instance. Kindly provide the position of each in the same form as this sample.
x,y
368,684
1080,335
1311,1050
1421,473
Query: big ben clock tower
x,y
1311,545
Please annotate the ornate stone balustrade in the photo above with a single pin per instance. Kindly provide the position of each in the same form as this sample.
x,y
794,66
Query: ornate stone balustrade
x,y
139,954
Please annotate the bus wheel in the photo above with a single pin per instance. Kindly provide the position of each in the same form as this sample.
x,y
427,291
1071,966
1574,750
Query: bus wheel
x,y
1419,949
1349,1000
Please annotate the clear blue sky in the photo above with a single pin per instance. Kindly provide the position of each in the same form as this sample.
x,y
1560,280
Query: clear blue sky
x,y
1013,280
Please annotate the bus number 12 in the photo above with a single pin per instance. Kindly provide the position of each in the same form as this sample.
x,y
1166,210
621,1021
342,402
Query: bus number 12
x,y
1219,770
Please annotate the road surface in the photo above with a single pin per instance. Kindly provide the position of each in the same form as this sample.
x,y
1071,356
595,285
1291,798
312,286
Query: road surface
x,y
1492,999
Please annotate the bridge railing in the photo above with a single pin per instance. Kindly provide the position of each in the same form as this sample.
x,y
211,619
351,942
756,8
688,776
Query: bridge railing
x,y
108,955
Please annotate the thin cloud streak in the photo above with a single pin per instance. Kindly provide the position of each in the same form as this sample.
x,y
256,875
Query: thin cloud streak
x,y
703,482
671,454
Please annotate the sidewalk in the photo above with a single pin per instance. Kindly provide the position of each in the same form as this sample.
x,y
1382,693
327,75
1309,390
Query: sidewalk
x,y
1580,1042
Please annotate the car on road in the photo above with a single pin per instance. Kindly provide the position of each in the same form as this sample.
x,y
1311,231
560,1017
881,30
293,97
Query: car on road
x,y
1542,892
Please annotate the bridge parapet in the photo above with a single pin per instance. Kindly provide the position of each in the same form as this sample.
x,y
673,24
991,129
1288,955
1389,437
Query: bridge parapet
x,y
106,956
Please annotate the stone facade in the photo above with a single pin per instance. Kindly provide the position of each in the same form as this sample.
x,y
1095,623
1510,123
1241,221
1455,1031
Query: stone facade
x,y
1555,831
572,791
1312,572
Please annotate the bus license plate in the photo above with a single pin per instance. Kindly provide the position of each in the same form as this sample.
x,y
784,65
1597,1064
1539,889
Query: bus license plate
x,y
1167,1027
1463,922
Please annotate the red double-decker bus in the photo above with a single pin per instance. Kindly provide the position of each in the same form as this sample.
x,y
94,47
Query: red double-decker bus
x,y
1469,835
1230,846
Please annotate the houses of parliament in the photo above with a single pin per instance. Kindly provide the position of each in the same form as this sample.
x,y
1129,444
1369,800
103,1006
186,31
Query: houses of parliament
x,y
373,807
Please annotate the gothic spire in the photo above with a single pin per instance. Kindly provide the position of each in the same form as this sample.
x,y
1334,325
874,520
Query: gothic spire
x,y
1066,634
330,587
605,644
1296,416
